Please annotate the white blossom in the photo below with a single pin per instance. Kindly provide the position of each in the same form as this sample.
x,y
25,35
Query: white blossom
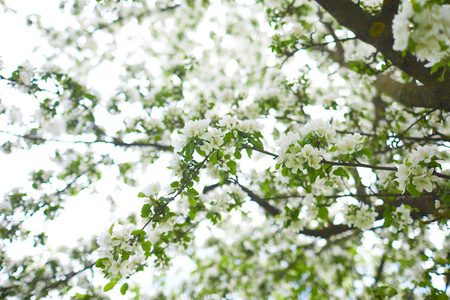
x,y
228,121
195,128
350,143
321,128
362,217
152,189
401,217
26,73
427,29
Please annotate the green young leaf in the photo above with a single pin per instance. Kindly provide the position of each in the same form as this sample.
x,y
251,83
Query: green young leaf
x,y
340,172
100,263
387,216
227,138
412,190
111,229
323,213
142,195
110,285
367,152
329,183
124,288
237,154
145,211
146,246
192,201
249,152
231,164
213,159
312,174
435,67
141,232
189,150
192,214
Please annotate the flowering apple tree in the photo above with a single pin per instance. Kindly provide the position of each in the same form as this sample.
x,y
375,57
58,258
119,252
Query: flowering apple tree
x,y
308,143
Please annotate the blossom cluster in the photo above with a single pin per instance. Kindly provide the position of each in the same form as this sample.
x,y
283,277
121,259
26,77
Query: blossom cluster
x,y
297,155
350,143
115,250
310,143
401,217
416,171
320,128
424,29
361,217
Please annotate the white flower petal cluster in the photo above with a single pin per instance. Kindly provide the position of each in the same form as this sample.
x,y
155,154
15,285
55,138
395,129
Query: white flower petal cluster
x,y
299,155
427,29
250,126
401,217
213,139
195,128
26,73
228,121
152,189
286,140
361,217
413,170
109,244
350,143
321,128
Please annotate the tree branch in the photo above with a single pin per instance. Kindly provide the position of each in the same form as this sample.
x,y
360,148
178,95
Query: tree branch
x,y
362,24
350,164
115,142
410,95
264,204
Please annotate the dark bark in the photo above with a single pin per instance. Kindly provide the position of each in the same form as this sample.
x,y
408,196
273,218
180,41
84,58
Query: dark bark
x,y
376,30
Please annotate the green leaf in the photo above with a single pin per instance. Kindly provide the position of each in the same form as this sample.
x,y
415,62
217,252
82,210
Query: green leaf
x,y
189,150
227,138
367,152
231,164
192,214
340,172
141,232
257,143
109,286
111,229
323,213
142,195
213,159
146,246
329,183
308,188
124,288
312,174
145,211
249,152
435,67
192,201
412,190
387,216
100,262
237,154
